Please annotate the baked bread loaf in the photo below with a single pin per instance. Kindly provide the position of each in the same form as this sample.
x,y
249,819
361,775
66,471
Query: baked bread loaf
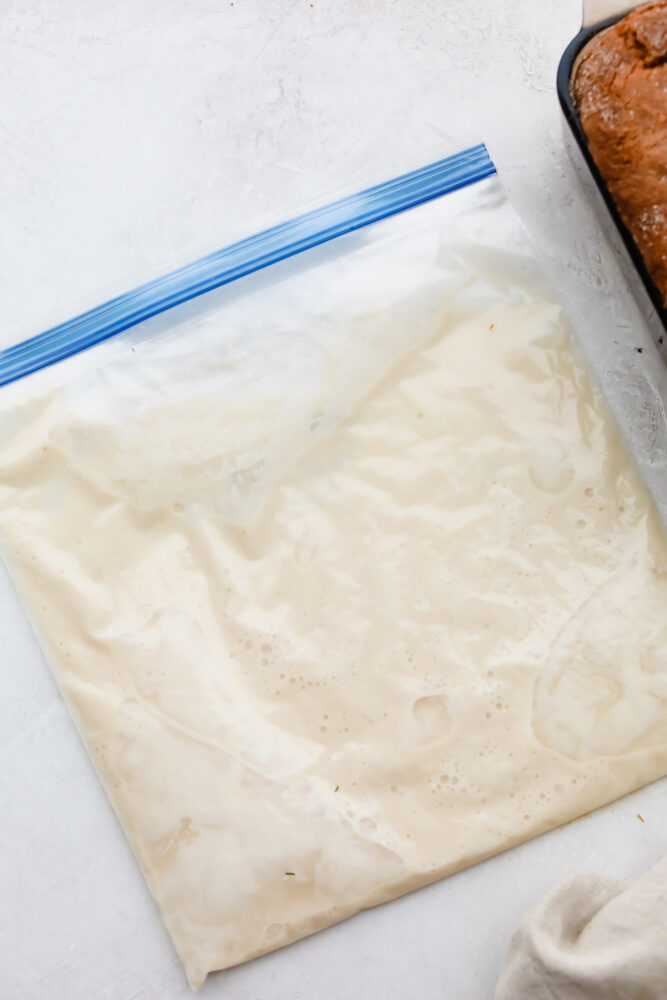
x,y
620,90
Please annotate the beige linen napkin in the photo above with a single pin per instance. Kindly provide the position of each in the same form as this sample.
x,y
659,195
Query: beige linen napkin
x,y
592,938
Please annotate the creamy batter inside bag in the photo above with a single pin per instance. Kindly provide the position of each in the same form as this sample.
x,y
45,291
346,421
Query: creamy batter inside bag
x,y
345,574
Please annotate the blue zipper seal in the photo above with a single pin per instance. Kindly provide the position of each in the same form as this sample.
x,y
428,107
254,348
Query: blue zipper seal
x,y
248,255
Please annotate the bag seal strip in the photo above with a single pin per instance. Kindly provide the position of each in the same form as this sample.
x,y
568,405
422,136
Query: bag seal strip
x,y
239,259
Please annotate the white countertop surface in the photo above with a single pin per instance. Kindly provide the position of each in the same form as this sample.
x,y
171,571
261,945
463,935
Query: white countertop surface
x,y
134,127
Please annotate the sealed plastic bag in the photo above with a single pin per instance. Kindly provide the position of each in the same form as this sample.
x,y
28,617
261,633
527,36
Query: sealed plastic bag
x,y
342,567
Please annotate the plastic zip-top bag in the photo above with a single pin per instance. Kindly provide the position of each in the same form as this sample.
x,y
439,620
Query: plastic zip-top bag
x,y
338,559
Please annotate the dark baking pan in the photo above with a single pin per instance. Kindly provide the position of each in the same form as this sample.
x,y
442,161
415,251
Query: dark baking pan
x,y
580,153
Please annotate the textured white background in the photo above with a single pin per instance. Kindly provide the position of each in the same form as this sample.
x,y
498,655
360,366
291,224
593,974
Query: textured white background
x,y
135,134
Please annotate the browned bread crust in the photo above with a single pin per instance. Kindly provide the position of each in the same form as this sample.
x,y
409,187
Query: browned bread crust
x,y
620,90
